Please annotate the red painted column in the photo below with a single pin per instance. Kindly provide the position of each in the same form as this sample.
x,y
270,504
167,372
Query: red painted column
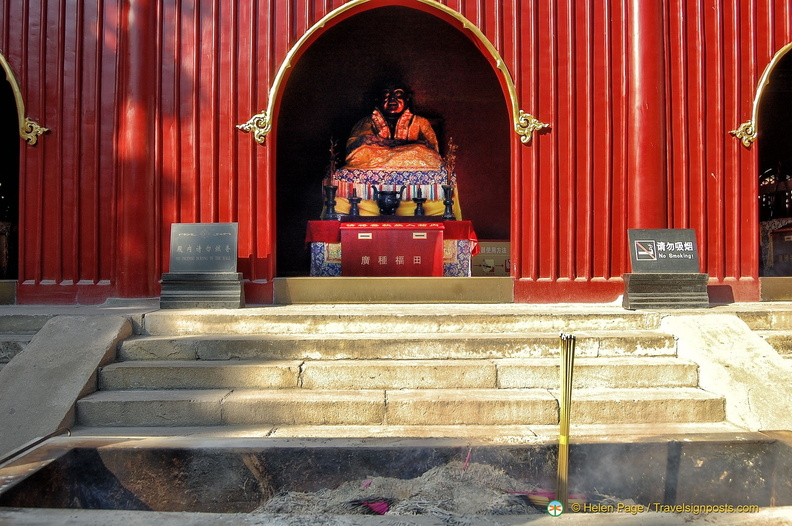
x,y
646,126
136,213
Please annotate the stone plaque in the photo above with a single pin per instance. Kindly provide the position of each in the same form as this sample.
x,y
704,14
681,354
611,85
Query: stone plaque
x,y
203,247
663,251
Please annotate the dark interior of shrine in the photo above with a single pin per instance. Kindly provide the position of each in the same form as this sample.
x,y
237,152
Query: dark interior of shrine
x,y
9,182
328,91
775,171
775,116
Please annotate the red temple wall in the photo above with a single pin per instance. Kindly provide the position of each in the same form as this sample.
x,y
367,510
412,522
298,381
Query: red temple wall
x,y
142,99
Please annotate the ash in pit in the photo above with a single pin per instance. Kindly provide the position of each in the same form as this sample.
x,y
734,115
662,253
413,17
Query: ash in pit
x,y
449,492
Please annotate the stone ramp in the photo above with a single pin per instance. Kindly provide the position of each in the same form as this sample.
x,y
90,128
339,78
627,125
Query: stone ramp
x,y
391,366
39,387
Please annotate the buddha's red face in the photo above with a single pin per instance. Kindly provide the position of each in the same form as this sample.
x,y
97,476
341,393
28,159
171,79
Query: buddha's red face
x,y
393,101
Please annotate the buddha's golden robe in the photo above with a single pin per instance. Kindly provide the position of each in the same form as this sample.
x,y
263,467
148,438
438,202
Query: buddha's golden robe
x,y
414,146
411,148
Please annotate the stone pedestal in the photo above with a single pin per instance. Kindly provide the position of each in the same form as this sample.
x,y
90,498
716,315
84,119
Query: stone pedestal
x,y
202,290
665,291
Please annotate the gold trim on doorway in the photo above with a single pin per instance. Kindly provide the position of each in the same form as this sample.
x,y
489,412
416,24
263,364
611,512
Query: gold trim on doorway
x,y
524,123
29,130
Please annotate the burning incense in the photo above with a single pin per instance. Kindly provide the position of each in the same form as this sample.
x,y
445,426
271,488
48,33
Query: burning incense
x,y
565,403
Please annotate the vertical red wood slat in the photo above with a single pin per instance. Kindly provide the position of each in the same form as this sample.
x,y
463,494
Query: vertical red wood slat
x,y
135,196
277,48
748,162
731,73
547,193
246,104
531,255
193,93
30,205
163,183
677,117
169,126
600,136
185,75
229,65
67,84
582,245
524,179
205,108
106,86
88,185
51,80
511,57
646,117
714,96
618,100
215,54
567,167
694,108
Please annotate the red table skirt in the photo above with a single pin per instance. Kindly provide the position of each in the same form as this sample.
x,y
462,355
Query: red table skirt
x,y
330,232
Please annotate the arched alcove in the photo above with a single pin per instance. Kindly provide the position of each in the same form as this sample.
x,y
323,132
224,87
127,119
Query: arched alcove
x,y
775,169
9,184
327,92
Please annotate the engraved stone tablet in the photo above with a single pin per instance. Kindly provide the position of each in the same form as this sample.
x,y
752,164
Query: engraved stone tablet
x,y
203,264
204,247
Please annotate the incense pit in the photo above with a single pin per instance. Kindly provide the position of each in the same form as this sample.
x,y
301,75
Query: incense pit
x,y
244,475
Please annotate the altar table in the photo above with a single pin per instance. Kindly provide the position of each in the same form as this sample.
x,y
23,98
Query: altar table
x,y
392,249
324,238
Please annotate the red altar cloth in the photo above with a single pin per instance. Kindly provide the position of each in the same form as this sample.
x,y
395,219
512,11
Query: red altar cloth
x,y
392,249
330,232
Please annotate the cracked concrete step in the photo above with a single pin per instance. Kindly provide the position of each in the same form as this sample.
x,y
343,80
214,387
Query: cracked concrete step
x,y
610,372
447,319
539,373
198,374
766,319
370,345
780,340
401,407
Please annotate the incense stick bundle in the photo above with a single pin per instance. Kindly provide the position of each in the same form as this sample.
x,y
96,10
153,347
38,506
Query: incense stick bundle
x,y
565,404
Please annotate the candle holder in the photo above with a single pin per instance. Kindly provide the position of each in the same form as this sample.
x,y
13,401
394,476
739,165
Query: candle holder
x,y
419,201
330,202
353,203
448,201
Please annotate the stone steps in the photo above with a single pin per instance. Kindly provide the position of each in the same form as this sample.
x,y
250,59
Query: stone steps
x,y
213,407
765,319
407,345
780,340
535,373
386,320
386,366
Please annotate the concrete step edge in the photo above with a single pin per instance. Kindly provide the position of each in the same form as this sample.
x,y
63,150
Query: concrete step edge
x,y
501,434
606,394
415,335
580,362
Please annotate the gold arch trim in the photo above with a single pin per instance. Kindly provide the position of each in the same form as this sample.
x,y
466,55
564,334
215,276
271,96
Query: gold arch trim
x,y
747,132
29,130
524,123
